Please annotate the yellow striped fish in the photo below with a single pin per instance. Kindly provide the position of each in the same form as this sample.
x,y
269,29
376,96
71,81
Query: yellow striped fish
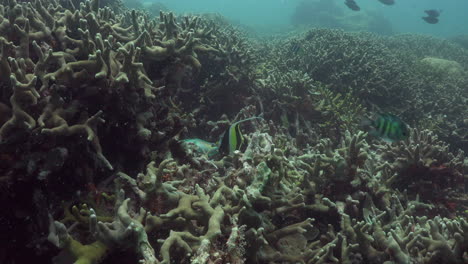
x,y
388,127
233,139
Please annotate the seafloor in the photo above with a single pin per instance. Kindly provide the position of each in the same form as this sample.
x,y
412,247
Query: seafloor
x,y
95,102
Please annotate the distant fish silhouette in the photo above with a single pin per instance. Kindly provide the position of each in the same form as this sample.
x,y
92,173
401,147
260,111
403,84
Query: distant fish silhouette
x,y
387,2
432,16
352,5
431,20
433,12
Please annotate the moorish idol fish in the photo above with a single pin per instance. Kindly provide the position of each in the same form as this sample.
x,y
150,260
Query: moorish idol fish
x,y
233,139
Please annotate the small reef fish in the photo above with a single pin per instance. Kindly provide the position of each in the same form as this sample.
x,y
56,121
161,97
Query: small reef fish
x,y
233,139
352,5
387,126
387,2
201,146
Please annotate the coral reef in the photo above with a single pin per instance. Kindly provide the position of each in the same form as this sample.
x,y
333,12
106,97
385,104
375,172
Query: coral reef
x,y
382,73
97,101
424,167
77,76
357,67
444,67
461,40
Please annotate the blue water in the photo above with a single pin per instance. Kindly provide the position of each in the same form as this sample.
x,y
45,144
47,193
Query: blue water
x,y
275,15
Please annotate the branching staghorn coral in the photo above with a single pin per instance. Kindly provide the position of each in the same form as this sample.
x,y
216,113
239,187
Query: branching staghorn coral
x,y
291,196
422,163
407,234
84,254
150,185
124,232
90,51
133,74
24,95
212,217
187,207
335,170
302,103
53,124
422,148
83,54
431,98
360,230
290,99
347,62
339,112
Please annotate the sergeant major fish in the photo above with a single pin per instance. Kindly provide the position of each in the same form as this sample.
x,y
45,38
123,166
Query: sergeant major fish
x,y
388,127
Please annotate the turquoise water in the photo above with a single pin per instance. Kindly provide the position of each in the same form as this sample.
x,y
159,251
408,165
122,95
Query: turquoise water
x,y
404,16
233,132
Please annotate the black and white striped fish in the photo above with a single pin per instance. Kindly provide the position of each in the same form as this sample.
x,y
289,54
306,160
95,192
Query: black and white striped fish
x,y
388,127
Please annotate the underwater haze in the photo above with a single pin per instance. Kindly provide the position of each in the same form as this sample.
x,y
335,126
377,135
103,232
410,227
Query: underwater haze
x,y
275,15
233,131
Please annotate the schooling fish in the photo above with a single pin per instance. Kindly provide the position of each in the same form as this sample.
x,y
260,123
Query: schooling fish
x,y
233,139
352,5
387,2
388,127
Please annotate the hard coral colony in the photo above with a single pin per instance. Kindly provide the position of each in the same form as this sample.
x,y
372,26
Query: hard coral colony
x,y
97,103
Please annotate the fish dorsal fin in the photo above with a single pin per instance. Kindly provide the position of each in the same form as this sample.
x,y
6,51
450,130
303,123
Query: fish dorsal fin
x,y
233,139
